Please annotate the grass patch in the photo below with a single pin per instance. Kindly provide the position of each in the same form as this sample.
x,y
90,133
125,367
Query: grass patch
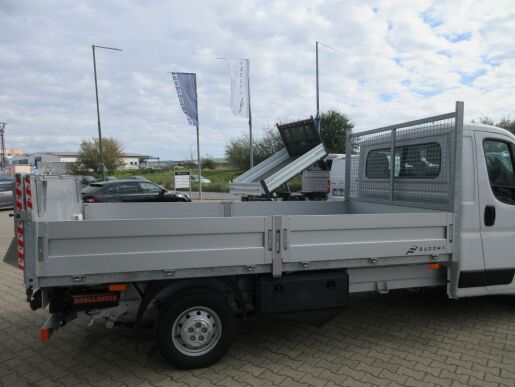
x,y
219,178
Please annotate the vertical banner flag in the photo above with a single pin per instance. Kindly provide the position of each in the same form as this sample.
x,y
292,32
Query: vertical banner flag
x,y
239,72
186,85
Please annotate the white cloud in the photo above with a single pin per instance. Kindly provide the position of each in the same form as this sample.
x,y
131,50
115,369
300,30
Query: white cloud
x,y
397,61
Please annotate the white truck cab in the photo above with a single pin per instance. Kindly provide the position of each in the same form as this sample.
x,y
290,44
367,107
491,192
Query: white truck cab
x,y
487,219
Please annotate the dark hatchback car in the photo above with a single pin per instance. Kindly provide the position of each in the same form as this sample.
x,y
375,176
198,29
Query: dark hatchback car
x,y
6,192
129,191
87,179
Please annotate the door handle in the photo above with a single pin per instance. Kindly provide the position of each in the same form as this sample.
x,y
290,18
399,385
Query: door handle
x,y
489,216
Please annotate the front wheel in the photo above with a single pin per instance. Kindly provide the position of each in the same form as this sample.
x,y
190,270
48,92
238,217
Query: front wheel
x,y
195,329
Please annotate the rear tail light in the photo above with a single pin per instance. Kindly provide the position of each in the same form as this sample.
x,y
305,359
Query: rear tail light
x,y
91,199
44,335
329,185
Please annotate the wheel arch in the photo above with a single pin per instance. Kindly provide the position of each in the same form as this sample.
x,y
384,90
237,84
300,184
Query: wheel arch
x,y
162,291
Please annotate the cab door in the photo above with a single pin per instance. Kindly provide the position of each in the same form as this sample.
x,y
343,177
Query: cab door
x,y
496,179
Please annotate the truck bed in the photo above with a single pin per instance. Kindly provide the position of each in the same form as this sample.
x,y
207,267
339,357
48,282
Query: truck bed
x,y
145,241
390,220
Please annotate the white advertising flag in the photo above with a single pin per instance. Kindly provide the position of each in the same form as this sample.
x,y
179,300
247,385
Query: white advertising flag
x,y
239,72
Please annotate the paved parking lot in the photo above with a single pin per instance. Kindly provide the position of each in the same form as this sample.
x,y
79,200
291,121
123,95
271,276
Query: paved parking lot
x,y
405,338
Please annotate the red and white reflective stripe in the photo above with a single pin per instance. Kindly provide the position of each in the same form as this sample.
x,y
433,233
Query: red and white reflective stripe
x,y
19,194
19,224
21,246
28,193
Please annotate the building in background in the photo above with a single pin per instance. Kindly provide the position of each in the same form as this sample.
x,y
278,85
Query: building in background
x,y
57,162
11,152
158,163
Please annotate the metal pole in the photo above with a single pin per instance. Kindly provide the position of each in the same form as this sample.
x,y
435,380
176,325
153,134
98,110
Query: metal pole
x,y
198,145
250,117
101,148
199,167
2,135
318,92
317,82
393,145
348,168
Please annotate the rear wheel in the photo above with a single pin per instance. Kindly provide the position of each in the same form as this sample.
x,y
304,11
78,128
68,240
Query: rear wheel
x,y
195,329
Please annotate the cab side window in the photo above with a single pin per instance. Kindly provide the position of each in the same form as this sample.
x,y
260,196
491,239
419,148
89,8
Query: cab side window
x,y
501,172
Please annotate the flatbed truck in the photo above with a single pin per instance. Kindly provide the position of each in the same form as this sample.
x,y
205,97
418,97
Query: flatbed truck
x,y
428,203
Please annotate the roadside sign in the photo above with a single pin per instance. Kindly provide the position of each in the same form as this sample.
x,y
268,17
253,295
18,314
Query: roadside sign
x,y
182,179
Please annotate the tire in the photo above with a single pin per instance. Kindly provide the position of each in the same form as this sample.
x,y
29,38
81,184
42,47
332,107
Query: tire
x,y
195,329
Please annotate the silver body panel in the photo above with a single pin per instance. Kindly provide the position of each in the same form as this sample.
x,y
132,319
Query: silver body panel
x,y
275,171
126,242
143,241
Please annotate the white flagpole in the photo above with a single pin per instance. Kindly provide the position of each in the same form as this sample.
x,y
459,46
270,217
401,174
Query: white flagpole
x,y
317,43
198,145
250,117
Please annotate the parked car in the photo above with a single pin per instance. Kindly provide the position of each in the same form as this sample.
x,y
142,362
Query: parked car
x,y
337,181
87,179
130,191
195,179
6,192
315,178
137,178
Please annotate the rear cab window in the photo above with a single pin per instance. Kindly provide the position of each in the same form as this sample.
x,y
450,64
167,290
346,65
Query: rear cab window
x,y
418,161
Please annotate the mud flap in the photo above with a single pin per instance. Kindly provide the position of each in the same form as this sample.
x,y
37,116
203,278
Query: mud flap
x,y
11,256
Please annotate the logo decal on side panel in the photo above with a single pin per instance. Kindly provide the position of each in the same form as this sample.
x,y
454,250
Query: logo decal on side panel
x,y
425,249
411,250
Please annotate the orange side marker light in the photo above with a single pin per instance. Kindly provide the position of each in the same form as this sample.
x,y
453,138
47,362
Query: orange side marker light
x,y
117,287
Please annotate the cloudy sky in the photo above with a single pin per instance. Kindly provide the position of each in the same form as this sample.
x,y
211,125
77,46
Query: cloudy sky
x,y
398,61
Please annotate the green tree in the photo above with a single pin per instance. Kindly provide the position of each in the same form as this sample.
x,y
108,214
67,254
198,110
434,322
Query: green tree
x,y
333,130
504,123
89,156
237,151
484,120
507,124
208,162
269,143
